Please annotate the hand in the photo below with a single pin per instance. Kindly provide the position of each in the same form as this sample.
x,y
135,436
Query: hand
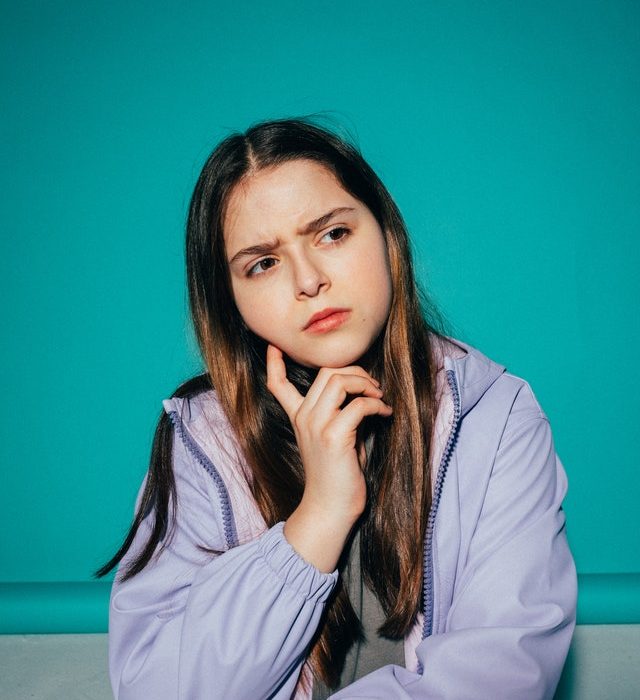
x,y
326,434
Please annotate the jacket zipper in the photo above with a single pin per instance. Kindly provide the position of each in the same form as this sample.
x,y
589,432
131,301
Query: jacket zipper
x,y
427,628
230,532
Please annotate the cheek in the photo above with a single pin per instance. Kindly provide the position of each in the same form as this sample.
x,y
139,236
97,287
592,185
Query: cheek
x,y
259,312
376,275
244,304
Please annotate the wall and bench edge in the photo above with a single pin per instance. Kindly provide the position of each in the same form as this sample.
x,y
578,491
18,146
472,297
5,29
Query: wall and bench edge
x,y
53,640
82,607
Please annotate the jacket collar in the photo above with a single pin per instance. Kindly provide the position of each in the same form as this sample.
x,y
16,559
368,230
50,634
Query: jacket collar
x,y
474,373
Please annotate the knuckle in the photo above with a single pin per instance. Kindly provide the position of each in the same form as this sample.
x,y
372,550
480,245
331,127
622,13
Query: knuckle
x,y
335,380
359,403
315,425
273,379
323,372
325,437
303,421
356,369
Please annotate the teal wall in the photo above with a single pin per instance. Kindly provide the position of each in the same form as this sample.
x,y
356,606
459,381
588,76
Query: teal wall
x,y
507,132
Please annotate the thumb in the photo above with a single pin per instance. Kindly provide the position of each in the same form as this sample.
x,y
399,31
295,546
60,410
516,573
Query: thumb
x,y
278,384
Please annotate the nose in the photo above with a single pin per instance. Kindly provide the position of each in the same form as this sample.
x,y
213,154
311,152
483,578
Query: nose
x,y
309,276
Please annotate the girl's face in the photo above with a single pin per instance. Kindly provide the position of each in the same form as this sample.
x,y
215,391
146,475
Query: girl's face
x,y
299,248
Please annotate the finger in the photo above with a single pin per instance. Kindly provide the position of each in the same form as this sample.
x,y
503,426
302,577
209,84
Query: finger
x,y
336,390
350,417
278,384
325,374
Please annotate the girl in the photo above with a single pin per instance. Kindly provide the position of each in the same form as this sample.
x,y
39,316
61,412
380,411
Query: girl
x,y
348,501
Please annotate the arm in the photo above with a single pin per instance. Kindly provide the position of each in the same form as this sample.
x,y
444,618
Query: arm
x,y
513,613
195,625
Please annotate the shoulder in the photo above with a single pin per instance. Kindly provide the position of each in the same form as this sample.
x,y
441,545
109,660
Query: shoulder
x,y
198,410
504,450
202,441
506,429
487,386
201,422
501,428
217,457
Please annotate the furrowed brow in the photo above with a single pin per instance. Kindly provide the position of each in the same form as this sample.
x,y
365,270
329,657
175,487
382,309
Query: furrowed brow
x,y
269,246
323,220
260,249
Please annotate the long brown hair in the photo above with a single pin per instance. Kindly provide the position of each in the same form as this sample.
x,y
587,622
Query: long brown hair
x,y
397,470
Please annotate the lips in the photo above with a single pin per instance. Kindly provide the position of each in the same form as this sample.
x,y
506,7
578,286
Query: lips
x,y
333,317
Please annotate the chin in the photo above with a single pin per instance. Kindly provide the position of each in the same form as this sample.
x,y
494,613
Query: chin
x,y
340,357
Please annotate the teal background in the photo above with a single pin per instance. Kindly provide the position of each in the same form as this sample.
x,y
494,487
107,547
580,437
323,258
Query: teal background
x,y
508,134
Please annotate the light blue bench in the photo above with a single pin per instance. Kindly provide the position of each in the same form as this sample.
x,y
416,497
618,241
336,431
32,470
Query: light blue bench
x,y
603,664
53,646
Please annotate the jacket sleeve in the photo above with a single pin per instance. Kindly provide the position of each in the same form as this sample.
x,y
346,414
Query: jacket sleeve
x,y
195,625
513,611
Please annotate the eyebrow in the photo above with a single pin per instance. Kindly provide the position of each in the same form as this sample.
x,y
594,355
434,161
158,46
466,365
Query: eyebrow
x,y
311,227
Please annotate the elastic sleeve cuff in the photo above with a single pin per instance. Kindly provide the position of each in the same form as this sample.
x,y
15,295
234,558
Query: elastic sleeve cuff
x,y
292,569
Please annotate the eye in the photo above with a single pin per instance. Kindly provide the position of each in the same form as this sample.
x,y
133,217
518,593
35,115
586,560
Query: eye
x,y
337,234
261,266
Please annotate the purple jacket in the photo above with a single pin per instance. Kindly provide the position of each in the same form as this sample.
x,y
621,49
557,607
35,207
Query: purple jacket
x,y
500,584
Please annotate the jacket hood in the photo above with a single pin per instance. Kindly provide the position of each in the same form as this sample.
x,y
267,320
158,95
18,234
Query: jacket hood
x,y
474,372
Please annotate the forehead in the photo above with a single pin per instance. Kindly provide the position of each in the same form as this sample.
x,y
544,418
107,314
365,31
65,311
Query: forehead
x,y
279,200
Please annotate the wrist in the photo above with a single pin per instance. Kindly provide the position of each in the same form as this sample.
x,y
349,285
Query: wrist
x,y
318,535
330,513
